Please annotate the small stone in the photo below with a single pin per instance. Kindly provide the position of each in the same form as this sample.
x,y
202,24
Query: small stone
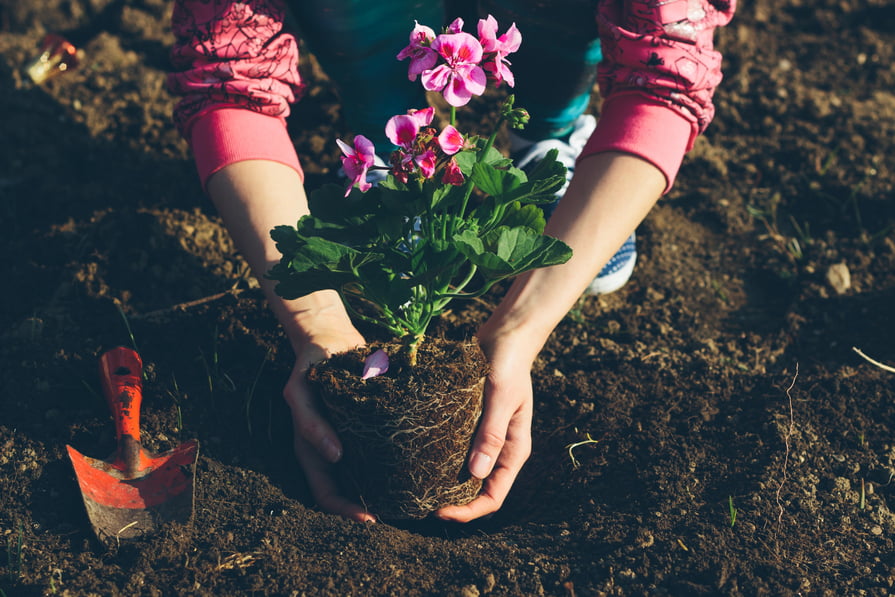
x,y
876,530
839,278
469,591
645,539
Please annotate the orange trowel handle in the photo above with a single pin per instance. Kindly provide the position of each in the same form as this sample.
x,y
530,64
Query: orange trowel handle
x,y
121,374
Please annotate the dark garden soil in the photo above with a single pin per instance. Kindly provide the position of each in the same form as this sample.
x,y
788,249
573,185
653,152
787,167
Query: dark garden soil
x,y
721,379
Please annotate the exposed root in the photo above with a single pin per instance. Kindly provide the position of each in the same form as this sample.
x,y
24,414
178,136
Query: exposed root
x,y
786,439
874,362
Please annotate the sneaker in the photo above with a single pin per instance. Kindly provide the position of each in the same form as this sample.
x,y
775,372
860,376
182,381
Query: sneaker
x,y
527,154
617,272
376,176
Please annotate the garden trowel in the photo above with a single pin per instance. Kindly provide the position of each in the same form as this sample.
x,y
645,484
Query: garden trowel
x,y
134,492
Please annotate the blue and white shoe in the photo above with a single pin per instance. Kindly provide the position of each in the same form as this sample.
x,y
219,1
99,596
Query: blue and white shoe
x,y
617,272
376,176
526,155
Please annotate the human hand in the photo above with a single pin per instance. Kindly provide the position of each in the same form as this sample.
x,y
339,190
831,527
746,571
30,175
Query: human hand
x,y
316,445
502,443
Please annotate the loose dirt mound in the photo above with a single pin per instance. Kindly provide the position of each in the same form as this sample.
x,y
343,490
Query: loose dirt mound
x,y
721,379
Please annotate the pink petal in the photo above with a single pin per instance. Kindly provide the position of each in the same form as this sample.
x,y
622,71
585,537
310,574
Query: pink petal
x,y
436,78
422,57
366,151
463,85
452,174
422,117
421,35
510,41
488,33
420,38
402,130
456,26
500,72
346,149
450,140
458,48
422,60
375,364
356,161
426,162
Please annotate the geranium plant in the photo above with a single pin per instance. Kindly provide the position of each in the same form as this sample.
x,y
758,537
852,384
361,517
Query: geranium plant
x,y
453,216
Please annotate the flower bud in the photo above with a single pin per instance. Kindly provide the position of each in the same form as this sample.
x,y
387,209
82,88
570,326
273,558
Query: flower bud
x,y
518,118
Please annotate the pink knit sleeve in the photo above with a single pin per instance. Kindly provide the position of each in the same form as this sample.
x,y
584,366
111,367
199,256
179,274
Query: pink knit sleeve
x,y
236,72
657,78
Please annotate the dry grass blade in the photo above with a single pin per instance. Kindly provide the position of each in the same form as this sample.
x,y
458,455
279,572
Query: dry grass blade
x,y
882,366
237,561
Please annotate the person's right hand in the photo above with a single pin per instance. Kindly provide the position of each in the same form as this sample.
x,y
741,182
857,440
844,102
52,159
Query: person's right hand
x,y
317,447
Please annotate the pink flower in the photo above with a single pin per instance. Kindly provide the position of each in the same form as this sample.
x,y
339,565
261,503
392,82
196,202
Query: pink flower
x,y
450,140
461,77
375,364
356,161
406,162
426,162
497,49
412,134
403,128
422,57
452,174
456,26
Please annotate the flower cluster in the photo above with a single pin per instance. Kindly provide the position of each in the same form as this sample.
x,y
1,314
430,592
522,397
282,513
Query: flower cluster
x,y
456,63
421,147
452,218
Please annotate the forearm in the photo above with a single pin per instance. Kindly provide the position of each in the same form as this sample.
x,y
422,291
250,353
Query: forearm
x,y
252,197
608,197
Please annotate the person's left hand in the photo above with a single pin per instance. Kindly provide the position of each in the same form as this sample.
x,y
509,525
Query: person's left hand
x,y
502,443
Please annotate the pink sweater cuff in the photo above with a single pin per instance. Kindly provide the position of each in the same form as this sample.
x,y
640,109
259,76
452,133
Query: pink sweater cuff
x,y
224,136
636,124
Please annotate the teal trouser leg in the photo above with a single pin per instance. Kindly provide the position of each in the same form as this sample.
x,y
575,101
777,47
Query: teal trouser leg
x,y
356,43
556,66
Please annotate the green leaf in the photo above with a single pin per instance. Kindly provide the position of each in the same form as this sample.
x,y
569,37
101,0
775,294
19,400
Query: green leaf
x,y
526,216
290,286
391,292
508,252
492,157
494,181
548,167
543,181
316,264
443,196
318,252
405,201
287,239
466,160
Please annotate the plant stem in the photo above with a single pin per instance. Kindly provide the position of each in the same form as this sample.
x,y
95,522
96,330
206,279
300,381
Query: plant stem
x,y
445,297
469,185
389,325
412,344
